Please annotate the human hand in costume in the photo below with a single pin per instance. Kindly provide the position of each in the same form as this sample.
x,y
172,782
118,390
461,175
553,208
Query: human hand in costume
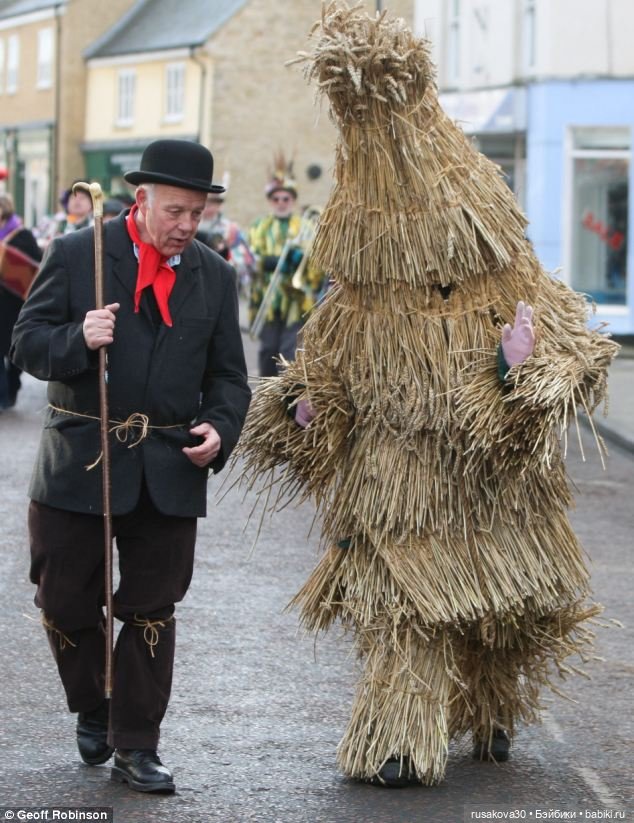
x,y
518,341
99,326
203,454
304,413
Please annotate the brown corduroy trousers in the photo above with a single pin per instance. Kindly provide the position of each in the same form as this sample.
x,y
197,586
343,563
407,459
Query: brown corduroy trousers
x,y
156,556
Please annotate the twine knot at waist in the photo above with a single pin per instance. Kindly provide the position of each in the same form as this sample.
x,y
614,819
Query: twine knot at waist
x,y
128,427
136,425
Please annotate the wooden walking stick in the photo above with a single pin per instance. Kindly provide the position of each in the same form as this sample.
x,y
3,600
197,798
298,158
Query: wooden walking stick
x,y
94,190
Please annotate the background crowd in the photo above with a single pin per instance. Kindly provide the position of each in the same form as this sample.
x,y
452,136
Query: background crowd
x,y
271,259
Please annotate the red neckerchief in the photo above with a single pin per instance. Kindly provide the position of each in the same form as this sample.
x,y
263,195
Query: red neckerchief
x,y
153,270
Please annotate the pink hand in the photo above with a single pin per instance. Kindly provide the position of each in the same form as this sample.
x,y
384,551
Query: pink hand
x,y
518,342
99,326
304,413
203,454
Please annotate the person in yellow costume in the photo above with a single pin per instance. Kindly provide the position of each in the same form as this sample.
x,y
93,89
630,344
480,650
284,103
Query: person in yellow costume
x,y
279,240
423,415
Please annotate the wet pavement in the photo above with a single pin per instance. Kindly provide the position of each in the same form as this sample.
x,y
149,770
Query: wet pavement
x,y
258,708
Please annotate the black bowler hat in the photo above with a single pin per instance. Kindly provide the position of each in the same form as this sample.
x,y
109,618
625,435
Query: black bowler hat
x,y
180,163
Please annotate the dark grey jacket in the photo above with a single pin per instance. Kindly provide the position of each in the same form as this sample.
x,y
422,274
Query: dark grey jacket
x,y
189,373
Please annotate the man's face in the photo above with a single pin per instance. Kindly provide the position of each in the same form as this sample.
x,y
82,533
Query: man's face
x,y
212,207
169,217
79,204
282,203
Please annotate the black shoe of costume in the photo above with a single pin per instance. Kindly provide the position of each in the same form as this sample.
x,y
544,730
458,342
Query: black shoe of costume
x,y
92,735
142,770
497,749
394,774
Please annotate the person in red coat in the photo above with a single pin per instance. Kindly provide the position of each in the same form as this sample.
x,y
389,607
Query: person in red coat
x,y
20,257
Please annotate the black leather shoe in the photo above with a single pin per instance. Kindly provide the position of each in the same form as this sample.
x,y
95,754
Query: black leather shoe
x,y
142,770
497,749
92,734
394,774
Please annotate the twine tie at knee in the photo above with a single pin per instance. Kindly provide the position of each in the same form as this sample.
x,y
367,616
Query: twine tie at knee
x,y
62,638
151,629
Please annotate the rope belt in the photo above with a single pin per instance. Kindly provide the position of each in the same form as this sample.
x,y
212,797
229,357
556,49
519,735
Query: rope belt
x,y
137,425
150,630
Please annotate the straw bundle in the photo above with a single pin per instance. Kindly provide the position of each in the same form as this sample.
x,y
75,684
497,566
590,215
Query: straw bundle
x,y
442,491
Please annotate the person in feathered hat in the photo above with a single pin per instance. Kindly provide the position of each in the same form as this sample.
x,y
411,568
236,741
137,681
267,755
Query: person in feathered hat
x,y
279,241
178,395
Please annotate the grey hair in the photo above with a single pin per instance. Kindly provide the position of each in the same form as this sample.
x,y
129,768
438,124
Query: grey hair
x,y
150,190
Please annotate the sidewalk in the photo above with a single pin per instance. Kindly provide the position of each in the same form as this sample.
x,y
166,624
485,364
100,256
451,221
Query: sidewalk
x,y
618,426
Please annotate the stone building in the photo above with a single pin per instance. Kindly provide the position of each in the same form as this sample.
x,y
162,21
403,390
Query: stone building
x,y
213,72
43,94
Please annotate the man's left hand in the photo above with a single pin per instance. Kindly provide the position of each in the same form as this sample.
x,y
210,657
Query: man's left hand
x,y
203,454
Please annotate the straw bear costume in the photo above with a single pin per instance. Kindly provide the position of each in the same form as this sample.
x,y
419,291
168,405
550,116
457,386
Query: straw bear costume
x,y
441,486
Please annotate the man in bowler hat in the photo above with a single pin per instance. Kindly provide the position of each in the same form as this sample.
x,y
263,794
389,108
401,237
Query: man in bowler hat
x,y
178,396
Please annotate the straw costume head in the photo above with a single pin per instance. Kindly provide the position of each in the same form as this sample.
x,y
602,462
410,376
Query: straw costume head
x,y
441,486
413,202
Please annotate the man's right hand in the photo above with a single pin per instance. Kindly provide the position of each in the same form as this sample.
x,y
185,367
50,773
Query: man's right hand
x,y
99,326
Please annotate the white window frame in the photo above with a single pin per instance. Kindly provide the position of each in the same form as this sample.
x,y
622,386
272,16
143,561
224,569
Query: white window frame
x,y
174,92
529,39
2,64
480,26
13,63
45,58
126,98
452,65
573,153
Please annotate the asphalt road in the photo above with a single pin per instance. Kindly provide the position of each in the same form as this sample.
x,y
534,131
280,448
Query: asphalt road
x,y
258,708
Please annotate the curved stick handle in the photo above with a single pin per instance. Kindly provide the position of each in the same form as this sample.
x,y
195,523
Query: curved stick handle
x,y
96,195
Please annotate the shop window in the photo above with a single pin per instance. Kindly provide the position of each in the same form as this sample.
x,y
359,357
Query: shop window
x,y
126,97
600,205
509,153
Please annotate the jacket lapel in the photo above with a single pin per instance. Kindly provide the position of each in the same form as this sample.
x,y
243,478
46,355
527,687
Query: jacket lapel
x,y
186,279
120,254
